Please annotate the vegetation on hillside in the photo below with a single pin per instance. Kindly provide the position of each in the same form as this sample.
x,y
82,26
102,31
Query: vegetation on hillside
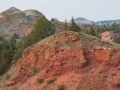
x,y
42,28
96,30
66,27
117,39
113,27
10,50
72,27
92,32
7,51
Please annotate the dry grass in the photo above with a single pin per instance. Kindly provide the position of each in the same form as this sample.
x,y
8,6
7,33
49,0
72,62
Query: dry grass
x,y
9,75
84,39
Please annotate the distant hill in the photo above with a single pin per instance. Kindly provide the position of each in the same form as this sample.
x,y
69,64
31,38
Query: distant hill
x,y
14,20
82,20
108,22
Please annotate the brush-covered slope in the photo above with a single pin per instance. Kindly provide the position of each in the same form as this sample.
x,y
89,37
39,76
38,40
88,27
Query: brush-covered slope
x,y
74,60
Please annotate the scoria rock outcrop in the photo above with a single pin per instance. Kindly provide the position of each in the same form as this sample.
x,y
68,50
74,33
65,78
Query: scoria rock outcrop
x,y
75,60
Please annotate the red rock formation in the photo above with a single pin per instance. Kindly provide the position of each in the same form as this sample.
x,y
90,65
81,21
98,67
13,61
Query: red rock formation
x,y
93,64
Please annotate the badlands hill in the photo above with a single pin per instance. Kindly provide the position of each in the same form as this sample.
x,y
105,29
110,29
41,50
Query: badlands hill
x,y
14,20
67,60
32,15
20,22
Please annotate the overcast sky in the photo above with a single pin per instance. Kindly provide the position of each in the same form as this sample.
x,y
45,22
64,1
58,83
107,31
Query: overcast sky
x,y
95,10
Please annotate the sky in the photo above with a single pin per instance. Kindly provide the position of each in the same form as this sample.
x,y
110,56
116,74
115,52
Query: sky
x,y
95,10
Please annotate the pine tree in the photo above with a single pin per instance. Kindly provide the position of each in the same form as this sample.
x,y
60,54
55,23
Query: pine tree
x,y
16,36
74,26
12,40
42,28
7,51
12,46
97,32
65,26
4,56
92,32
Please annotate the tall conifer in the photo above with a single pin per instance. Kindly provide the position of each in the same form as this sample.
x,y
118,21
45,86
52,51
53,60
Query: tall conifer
x,y
74,26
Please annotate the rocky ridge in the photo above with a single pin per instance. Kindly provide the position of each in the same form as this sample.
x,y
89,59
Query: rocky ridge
x,y
77,60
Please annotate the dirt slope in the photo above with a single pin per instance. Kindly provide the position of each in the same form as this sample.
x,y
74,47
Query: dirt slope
x,y
75,60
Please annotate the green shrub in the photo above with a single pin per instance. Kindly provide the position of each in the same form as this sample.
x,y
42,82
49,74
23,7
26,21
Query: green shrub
x,y
118,68
51,80
40,80
35,70
61,87
44,88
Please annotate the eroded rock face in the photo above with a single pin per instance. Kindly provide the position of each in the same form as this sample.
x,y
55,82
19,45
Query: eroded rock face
x,y
94,66
12,16
32,15
108,36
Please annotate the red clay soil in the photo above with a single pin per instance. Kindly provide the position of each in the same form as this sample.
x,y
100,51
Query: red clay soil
x,y
78,61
